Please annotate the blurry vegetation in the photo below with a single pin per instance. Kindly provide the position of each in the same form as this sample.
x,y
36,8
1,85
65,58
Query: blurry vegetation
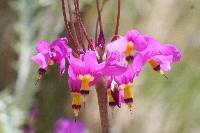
x,y
161,106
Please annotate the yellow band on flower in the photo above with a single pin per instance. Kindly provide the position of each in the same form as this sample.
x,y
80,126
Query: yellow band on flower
x,y
153,63
127,90
76,98
110,98
129,49
85,80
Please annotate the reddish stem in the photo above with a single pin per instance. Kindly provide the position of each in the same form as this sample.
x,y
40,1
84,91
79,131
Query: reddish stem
x,y
97,23
72,24
67,28
99,15
103,108
118,18
79,23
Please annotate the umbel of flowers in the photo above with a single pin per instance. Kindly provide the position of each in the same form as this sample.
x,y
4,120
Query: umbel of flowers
x,y
118,62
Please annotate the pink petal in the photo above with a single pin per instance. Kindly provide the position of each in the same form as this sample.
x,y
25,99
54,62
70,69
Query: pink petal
x,y
41,60
62,66
42,46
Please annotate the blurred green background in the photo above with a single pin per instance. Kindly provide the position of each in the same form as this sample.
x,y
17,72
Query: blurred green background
x,y
161,106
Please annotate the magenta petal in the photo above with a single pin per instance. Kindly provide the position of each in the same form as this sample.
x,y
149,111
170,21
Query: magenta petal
x,y
62,66
41,60
165,66
131,35
140,43
112,70
61,42
42,46
71,73
169,49
152,43
164,61
90,60
138,62
74,85
117,45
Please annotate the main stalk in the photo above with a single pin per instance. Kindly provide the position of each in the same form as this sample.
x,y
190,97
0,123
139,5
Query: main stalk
x,y
103,108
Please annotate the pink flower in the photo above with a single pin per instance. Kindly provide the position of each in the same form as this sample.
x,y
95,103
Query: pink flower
x,y
63,125
85,70
160,56
54,53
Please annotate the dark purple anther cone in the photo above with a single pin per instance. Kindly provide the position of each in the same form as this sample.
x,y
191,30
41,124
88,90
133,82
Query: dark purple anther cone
x,y
130,58
101,40
41,71
128,100
157,68
116,96
85,92
113,104
76,106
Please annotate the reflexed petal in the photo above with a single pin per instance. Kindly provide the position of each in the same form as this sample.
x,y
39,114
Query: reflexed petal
x,y
41,60
112,70
62,66
74,85
165,66
139,62
117,45
113,58
163,59
169,49
132,35
71,73
42,47
140,43
152,43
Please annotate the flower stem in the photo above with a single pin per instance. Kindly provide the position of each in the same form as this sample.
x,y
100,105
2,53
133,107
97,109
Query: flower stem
x,y
76,4
99,15
72,24
118,17
66,22
103,108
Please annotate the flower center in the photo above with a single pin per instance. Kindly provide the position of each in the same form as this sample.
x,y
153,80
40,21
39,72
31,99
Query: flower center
x,y
76,102
85,80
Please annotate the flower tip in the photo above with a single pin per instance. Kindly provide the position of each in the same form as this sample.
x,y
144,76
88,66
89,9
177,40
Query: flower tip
x,y
163,74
